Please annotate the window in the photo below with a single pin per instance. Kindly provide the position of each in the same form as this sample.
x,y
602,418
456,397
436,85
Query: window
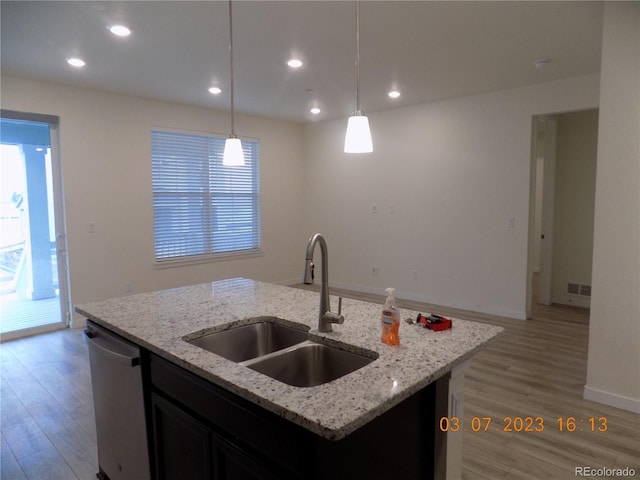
x,y
202,209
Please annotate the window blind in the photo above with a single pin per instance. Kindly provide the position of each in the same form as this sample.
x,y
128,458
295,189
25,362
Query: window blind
x,y
200,207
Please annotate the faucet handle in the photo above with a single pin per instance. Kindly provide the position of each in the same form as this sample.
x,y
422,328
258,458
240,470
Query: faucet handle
x,y
330,317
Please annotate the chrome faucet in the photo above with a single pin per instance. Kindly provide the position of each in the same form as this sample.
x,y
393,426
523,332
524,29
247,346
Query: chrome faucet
x,y
325,317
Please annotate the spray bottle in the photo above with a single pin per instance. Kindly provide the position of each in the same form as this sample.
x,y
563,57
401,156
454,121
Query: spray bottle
x,y
390,320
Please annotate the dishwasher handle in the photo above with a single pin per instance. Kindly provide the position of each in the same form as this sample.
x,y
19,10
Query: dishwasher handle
x,y
96,341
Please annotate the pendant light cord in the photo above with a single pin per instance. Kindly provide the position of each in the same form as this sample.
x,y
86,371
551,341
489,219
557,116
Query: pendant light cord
x,y
358,136
233,131
358,112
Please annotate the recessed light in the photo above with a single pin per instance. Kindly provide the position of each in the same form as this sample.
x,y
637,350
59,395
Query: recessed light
x,y
294,63
76,62
541,62
120,30
215,90
394,93
315,110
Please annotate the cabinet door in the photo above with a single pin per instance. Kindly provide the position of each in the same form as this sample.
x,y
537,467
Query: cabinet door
x,y
183,446
233,464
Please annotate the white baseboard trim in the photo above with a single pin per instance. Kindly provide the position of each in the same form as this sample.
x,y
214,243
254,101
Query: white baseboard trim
x,y
290,282
612,399
501,312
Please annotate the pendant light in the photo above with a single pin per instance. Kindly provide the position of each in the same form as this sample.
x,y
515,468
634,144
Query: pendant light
x,y
358,137
233,155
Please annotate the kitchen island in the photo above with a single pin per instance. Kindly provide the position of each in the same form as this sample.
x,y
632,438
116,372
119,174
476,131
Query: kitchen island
x,y
380,419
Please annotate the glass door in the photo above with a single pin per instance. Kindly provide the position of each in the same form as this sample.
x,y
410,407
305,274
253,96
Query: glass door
x,y
33,269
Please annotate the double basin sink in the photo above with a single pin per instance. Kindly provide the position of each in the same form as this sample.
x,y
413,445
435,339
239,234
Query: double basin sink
x,y
283,353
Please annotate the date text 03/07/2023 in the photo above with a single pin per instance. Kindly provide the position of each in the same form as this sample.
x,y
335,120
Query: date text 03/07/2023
x,y
524,424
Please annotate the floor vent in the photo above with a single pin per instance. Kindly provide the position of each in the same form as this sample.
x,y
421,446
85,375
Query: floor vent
x,y
577,289
573,288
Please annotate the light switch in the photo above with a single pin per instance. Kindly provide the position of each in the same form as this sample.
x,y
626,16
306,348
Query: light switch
x,y
91,227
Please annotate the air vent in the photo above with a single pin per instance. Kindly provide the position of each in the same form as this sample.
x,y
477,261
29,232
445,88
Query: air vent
x,y
578,289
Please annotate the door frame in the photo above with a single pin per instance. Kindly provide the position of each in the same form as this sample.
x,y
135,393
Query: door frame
x,y
548,202
59,223
545,126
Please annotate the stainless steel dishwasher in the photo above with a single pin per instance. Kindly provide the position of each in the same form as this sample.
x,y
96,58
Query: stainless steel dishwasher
x,y
118,399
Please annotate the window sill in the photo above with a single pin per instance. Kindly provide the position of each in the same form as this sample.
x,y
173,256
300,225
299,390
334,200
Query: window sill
x,y
219,257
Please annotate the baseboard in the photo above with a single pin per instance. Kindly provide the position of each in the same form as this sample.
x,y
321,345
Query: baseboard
x,y
290,282
611,399
501,312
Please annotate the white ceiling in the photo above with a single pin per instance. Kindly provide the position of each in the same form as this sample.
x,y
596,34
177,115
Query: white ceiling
x,y
428,50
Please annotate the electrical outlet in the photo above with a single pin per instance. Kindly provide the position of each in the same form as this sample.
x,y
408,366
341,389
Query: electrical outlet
x,y
415,274
511,222
375,270
128,287
392,209
374,209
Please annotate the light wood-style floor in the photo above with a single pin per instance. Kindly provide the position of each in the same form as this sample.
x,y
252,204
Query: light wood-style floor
x,y
46,407
537,368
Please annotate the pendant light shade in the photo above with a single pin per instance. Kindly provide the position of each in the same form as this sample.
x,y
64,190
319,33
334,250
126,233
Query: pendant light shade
x,y
358,137
233,155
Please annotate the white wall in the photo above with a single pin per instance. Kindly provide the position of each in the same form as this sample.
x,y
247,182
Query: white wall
x,y
576,153
456,171
106,161
613,367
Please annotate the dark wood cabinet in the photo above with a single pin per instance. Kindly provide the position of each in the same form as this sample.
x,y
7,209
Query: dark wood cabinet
x,y
186,448
183,445
202,431
231,463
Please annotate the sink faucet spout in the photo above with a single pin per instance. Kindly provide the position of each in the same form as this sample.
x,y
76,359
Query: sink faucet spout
x,y
325,316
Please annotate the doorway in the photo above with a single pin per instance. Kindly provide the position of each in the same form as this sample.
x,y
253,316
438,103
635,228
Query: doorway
x,y
563,172
34,294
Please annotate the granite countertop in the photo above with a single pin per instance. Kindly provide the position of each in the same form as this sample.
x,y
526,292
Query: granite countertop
x,y
159,321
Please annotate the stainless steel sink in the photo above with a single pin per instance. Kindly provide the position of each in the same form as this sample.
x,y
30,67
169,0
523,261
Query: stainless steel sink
x,y
309,364
250,341
282,352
